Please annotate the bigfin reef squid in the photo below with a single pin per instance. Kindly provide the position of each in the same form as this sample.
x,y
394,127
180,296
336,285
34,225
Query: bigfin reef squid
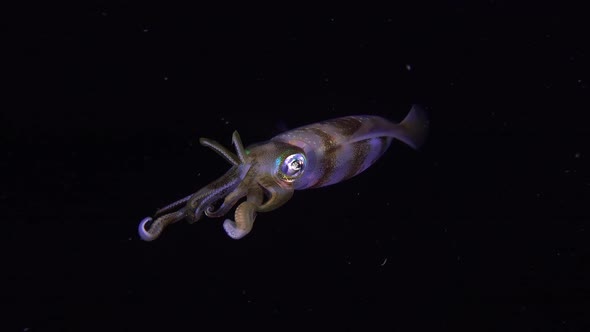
x,y
268,173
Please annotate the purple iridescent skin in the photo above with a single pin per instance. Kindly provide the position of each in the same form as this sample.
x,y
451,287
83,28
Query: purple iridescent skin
x,y
268,173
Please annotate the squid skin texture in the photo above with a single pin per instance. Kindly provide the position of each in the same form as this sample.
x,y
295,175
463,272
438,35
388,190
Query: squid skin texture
x,y
268,173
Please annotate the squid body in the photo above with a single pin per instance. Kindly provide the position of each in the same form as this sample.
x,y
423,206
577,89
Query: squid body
x,y
266,174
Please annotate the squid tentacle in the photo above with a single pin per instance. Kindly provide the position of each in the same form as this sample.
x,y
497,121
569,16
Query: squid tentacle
x,y
277,195
221,150
150,229
172,206
237,142
229,201
244,189
203,198
198,202
232,158
244,216
239,162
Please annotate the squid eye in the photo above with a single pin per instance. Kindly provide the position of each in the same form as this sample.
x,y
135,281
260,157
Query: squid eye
x,y
292,167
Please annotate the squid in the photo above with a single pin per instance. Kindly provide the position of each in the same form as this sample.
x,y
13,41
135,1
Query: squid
x,y
265,175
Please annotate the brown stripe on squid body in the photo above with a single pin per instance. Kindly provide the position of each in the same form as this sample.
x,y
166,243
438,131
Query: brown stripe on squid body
x,y
327,161
360,151
345,126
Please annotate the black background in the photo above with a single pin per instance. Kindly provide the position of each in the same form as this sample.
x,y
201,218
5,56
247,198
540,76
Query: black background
x,y
484,229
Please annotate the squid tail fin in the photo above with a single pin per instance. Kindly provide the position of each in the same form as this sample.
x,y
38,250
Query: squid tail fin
x,y
413,129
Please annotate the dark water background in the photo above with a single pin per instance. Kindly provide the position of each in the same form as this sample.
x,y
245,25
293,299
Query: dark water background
x,y
485,229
